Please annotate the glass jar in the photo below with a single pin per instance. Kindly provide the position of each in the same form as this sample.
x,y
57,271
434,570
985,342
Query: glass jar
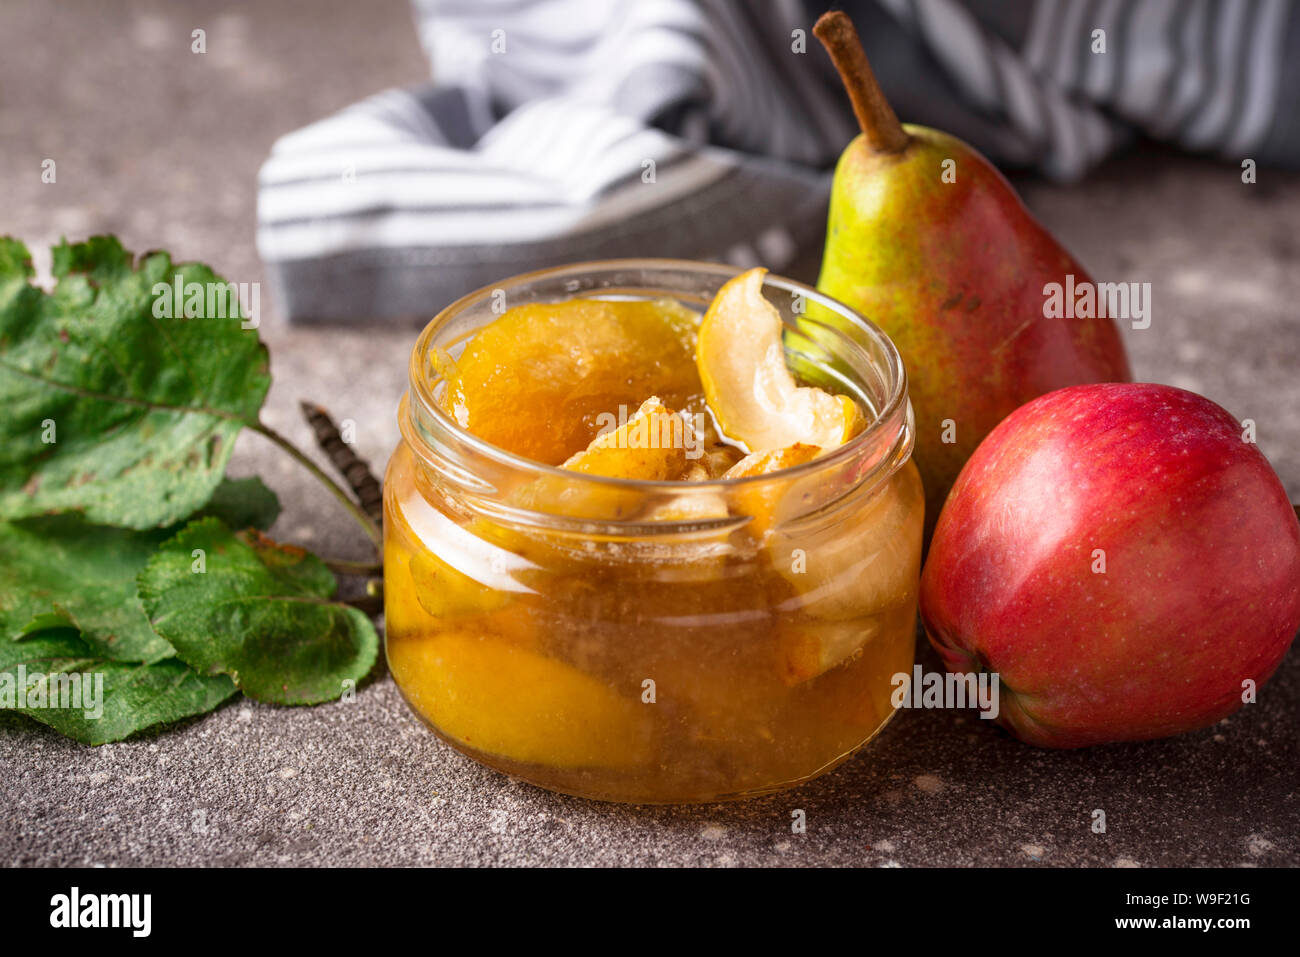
x,y
719,640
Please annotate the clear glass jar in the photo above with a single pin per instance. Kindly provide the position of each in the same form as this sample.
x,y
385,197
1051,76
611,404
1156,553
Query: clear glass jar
x,y
728,638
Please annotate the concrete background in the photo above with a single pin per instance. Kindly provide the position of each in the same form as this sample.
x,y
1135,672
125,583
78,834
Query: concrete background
x,y
162,147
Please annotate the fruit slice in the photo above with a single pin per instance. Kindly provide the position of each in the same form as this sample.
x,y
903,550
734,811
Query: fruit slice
x,y
715,460
864,563
747,383
760,500
403,613
648,446
698,505
513,703
806,649
447,592
539,380
456,570
855,578
761,463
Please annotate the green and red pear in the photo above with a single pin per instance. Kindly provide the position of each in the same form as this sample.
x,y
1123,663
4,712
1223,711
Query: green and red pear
x,y
930,242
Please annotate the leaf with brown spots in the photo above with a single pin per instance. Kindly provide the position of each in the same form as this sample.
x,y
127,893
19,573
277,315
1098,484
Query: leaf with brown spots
x,y
142,411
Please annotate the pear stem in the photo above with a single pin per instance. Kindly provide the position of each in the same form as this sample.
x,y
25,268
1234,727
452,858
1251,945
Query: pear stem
x,y
876,117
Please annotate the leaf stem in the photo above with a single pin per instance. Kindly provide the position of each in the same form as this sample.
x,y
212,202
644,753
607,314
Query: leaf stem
x,y
369,605
365,521
343,566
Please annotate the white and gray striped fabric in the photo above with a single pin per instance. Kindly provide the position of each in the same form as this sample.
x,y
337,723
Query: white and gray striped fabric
x,y
560,130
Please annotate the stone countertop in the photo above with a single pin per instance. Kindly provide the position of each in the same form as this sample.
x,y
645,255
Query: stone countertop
x,y
119,101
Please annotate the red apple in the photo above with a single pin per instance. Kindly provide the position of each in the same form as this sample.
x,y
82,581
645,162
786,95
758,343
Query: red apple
x,y
1122,558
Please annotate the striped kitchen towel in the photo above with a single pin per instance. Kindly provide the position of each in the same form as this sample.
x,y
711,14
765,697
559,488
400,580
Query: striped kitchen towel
x,y
562,130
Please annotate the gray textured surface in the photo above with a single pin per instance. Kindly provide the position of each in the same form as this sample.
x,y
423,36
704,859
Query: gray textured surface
x,y
162,146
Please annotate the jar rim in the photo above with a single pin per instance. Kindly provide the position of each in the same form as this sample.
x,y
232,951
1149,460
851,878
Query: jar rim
x,y
892,421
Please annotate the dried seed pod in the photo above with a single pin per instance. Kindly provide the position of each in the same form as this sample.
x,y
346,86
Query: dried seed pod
x,y
355,470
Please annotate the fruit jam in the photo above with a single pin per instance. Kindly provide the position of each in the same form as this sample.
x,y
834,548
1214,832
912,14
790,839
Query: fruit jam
x,y
652,622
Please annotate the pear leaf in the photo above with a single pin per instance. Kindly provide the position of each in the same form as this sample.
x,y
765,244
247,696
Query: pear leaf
x,y
61,571
242,503
240,604
122,400
62,681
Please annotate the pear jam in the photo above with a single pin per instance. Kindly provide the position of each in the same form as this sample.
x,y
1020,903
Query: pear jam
x,y
630,555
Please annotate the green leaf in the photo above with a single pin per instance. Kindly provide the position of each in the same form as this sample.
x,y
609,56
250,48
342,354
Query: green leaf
x,y
257,611
15,261
59,571
110,409
242,503
107,700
